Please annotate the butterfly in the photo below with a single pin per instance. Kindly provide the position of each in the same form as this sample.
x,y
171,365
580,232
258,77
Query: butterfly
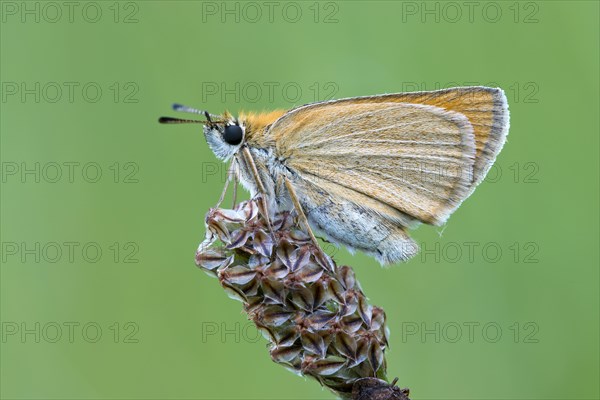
x,y
362,171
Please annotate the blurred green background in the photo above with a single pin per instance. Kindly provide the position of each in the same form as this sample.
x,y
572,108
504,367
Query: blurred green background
x,y
102,208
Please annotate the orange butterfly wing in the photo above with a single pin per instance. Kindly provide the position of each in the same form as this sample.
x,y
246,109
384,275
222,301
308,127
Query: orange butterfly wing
x,y
397,148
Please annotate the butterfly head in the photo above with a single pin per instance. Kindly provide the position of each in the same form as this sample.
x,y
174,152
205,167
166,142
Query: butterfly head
x,y
224,134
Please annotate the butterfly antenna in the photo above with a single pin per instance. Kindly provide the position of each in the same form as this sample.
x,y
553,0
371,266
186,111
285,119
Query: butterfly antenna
x,y
171,120
191,110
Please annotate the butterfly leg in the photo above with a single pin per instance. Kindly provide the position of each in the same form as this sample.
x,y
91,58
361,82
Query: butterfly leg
x,y
235,187
229,172
259,185
236,182
300,211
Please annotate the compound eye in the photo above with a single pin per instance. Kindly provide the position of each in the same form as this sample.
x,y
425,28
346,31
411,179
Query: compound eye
x,y
233,134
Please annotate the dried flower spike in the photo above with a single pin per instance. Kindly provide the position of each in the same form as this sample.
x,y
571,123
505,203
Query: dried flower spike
x,y
313,312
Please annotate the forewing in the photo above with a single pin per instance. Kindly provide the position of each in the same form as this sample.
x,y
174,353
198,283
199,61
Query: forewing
x,y
486,109
415,158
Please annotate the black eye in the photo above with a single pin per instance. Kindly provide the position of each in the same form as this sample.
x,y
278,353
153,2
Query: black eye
x,y
233,134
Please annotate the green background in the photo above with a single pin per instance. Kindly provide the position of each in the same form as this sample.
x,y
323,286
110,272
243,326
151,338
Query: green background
x,y
540,209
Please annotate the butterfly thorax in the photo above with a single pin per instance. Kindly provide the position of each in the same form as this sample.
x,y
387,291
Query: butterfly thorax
x,y
256,126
